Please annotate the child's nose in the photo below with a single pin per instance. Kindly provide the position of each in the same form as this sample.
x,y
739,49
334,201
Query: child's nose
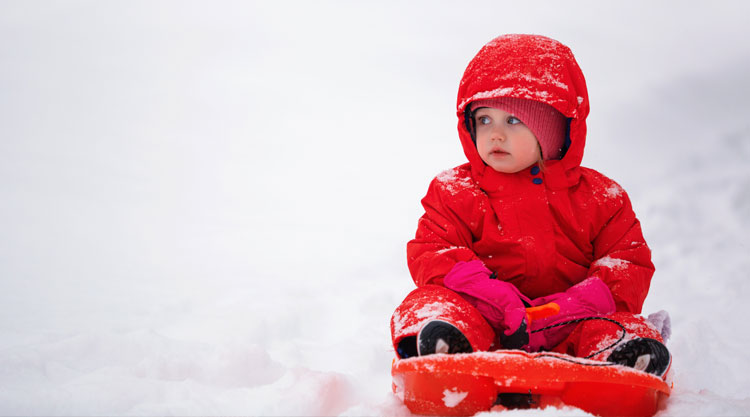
x,y
498,133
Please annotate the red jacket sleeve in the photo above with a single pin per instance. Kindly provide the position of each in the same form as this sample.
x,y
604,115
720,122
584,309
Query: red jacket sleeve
x,y
622,259
442,238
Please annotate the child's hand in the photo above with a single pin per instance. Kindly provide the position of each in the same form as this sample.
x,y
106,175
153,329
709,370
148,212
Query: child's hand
x,y
500,302
588,298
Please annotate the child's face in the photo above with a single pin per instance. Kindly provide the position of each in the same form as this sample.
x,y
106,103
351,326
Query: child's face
x,y
504,142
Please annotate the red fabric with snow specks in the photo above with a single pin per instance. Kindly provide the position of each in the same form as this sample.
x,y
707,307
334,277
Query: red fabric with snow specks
x,y
432,302
543,238
593,336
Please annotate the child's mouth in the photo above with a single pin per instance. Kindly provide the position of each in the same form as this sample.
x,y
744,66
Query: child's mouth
x,y
499,152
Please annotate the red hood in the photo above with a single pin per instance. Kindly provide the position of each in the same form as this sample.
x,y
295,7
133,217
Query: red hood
x,y
530,67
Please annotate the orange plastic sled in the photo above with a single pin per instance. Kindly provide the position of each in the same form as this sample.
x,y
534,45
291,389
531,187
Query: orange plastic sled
x,y
465,384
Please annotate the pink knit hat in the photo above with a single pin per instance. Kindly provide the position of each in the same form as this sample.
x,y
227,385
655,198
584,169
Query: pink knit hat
x,y
547,124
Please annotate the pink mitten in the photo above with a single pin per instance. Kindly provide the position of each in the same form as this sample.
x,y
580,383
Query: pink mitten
x,y
498,301
588,298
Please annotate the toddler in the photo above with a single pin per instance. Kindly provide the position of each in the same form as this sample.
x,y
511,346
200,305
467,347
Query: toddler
x,y
522,224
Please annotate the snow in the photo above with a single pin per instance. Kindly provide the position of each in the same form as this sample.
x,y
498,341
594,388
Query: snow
x,y
205,207
611,263
546,412
448,249
454,181
430,310
452,398
614,191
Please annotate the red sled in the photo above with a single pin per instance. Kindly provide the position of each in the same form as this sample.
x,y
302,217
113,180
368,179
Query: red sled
x,y
465,384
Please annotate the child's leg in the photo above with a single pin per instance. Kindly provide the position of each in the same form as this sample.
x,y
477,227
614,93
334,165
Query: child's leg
x,y
641,348
592,336
432,302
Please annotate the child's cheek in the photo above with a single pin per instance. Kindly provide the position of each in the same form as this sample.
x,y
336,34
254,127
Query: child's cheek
x,y
484,150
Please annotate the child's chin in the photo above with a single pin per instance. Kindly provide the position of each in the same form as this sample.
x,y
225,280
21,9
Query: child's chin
x,y
508,168
504,169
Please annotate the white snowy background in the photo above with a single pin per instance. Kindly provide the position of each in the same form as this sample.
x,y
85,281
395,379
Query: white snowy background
x,y
204,206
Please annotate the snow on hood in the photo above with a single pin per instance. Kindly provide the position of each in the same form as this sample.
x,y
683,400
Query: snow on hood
x,y
530,67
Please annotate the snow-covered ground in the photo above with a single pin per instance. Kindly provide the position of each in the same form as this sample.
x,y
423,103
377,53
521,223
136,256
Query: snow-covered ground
x,y
204,206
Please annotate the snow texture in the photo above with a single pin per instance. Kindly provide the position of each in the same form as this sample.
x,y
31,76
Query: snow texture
x,y
455,181
430,310
205,206
452,398
611,263
614,191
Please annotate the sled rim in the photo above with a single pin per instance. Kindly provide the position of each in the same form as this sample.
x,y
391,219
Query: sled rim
x,y
549,368
428,385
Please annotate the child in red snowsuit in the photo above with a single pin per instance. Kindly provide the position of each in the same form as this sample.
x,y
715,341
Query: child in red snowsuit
x,y
523,224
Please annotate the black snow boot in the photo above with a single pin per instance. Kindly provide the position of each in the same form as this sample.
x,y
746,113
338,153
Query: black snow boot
x,y
440,336
643,354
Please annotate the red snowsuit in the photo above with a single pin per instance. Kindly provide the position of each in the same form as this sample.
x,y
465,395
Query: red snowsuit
x,y
541,230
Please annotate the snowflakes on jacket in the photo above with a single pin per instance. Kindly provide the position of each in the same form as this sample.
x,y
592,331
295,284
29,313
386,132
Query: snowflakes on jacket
x,y
542,230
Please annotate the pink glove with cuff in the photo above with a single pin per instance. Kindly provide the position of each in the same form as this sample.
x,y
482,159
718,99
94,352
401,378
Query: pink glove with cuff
x,y
588,298
504,306
500,302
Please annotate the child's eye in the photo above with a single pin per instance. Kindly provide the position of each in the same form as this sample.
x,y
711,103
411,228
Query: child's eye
x,y
483,120
513,120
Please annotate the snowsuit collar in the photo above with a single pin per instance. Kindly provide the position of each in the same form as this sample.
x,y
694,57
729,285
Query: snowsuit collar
x,y
529,67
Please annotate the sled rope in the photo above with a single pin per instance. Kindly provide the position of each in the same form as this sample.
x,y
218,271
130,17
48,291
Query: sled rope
x,y
565,323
